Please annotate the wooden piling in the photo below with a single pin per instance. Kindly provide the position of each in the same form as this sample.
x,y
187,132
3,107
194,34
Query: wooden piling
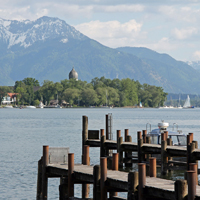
x,y
191,137
120,151
132,184
86,161
190,157
102,132
180,189
152,167
193,167
102,146
164,157
191,179
63,188
39,180
103,163
140,144
84,132
96,185
118,134
126,132
70,174
44,175
144,136
107,137
142,180
128,155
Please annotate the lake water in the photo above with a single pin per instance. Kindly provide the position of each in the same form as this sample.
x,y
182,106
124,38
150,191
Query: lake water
x,y
23,132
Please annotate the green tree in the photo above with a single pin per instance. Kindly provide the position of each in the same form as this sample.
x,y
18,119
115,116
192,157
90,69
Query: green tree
x,y
72,95
89,96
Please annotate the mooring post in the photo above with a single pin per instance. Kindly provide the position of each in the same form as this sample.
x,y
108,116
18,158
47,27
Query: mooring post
x,y
120,151
180,189
39,180
44,175
86,161
142,180
190,157
193,167
102,147
148,141
63,188
191,179
164,157
70,174
126,132
166,134
115,168
84,132
132,184
144,136
140,144
128,155
96,184
152,167
103,163
191,137
107,137
102,132
118,134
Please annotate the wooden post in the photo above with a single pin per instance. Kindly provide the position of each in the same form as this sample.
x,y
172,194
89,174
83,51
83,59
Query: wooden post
x,y
39,180
63,188
96,186
191,179
44,175
84,132
180,189
132,184
152,167
86,161
102,147
148,141
103,163
107,137
193,167
163,157
70,174
144,136
126,131
115,168
142,180
118,134
120,151
190,157
102,132
169,143
140,144
191,137
128,155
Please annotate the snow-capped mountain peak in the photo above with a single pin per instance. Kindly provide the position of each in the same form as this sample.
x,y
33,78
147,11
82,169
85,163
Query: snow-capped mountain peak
x,y
25,33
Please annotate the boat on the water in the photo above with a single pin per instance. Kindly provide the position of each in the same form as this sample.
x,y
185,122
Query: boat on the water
x,y
8,106
41,105
187,103
141,104
178,138
30,107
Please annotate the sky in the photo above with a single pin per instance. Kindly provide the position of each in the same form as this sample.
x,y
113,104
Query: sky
x,y
166,26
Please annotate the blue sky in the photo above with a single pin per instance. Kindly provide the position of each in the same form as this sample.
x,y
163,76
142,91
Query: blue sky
x,y
170,27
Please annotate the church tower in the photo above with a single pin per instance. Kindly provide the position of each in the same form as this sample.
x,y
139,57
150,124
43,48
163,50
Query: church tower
x,y
73,74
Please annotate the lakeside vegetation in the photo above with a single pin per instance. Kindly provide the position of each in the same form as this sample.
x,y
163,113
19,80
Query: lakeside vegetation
x,y
99,92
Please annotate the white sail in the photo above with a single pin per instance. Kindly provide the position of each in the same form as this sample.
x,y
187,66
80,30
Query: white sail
x,y
187,102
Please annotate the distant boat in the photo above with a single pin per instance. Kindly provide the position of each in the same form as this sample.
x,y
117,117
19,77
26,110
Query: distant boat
x,y
8,106
141,104
41,105
187,103
30,107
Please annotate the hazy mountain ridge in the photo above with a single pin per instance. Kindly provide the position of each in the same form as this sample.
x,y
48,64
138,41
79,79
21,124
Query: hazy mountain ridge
x,y
48,48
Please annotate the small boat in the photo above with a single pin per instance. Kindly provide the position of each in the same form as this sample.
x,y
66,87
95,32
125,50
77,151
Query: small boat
x,y
41,105
187,103
178,138
30,107
8,106
141,104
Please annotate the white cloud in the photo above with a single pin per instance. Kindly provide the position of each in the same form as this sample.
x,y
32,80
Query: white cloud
x,y
112,33
182,34
196,55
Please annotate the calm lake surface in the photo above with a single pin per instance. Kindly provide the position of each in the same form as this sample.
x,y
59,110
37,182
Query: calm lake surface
x,y
23,132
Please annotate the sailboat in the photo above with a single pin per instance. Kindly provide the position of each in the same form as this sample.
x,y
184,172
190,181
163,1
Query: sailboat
x,y
141,104
187,103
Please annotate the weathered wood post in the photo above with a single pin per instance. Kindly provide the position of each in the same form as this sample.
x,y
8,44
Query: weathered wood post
x,y
132,184
191,179
102,147
126,132
180,189
115,168
84,132
140,144
169,143
103,163
190,157
107,137
70,174
129,154
120,151
164,159
86,161
63,188
118,134
144,135
39,180
102,132
193,167
142,180
96,186
44,175
148,141
152,167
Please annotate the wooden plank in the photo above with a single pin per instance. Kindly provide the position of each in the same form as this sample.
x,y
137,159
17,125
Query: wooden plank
x,y
93,143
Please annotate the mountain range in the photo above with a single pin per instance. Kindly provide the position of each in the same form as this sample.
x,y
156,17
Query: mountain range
x,y
48,48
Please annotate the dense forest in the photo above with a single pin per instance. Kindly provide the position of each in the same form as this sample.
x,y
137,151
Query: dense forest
x,y
99,92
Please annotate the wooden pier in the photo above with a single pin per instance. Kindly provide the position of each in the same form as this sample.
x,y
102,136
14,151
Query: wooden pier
x,y
106,179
